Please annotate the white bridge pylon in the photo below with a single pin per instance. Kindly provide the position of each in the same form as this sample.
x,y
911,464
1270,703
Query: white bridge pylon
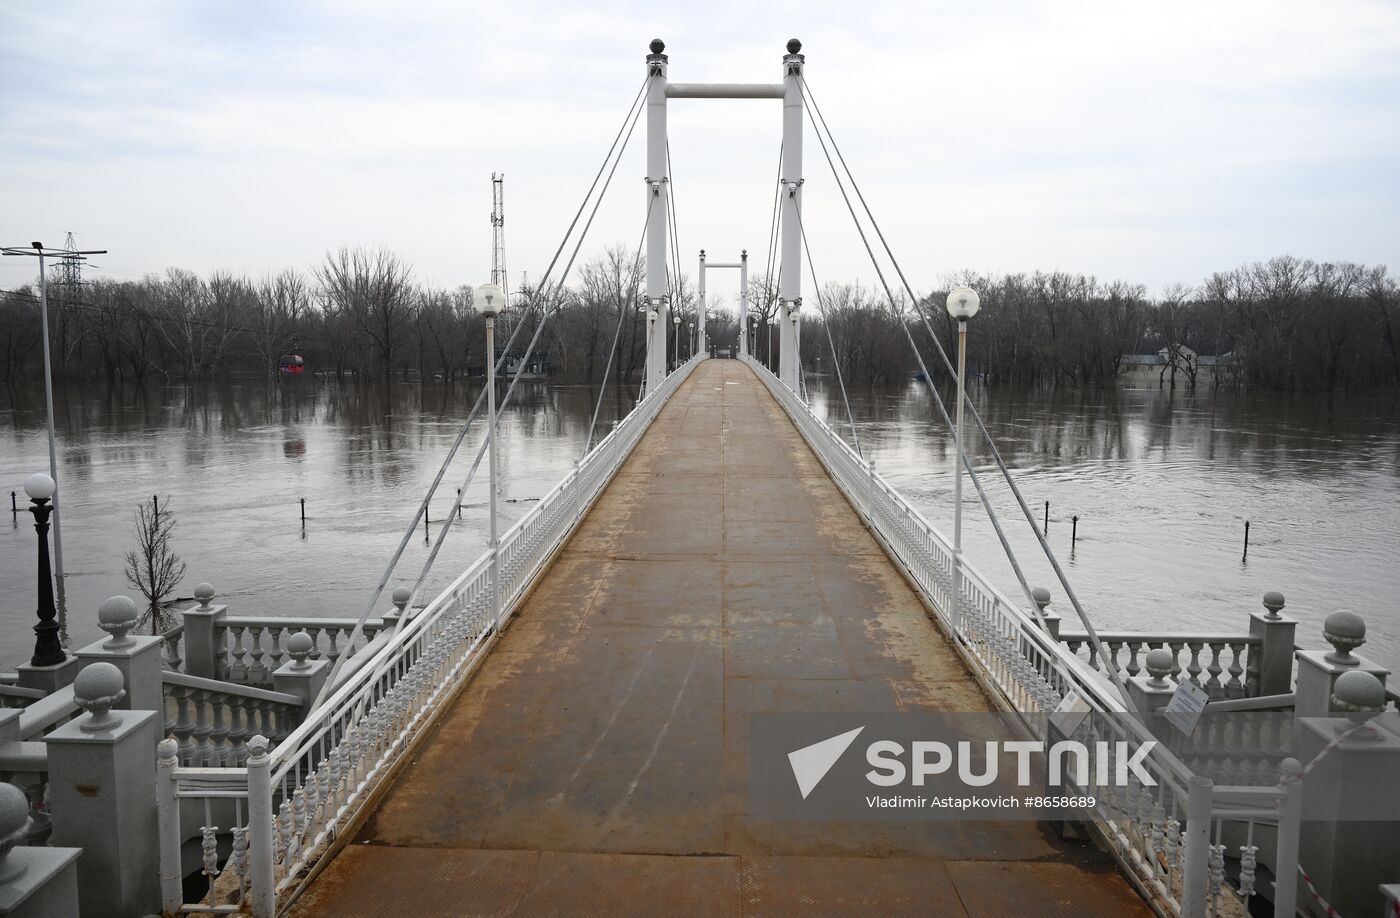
x,y
743,265
658,189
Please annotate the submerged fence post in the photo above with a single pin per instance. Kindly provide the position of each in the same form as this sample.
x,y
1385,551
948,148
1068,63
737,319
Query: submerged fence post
x,y
1246,541
1074,532
1045,528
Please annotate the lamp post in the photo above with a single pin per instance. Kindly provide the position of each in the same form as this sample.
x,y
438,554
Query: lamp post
x,y
963,304
652,316
675,340
36,249
489,300
47,650
692,339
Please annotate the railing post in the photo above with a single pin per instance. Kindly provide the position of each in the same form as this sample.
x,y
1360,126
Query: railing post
x,y
172,893
201,630
1318,671
301,676
137,657
1290,823
35,882
1195,874
1271,664
262,891
101,771
1351,779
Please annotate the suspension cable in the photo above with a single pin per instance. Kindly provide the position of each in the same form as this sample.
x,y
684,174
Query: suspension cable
x,y
621,314
1114,675
520,369
938,399
826,324
633,112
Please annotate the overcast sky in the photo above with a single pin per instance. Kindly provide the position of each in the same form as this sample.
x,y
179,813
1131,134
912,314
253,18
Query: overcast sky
x,y
1150,141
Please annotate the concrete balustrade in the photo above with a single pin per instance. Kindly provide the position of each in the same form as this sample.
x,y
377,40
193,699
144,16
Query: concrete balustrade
x,y
1352,768
101,792
34,882
1318,671
137,657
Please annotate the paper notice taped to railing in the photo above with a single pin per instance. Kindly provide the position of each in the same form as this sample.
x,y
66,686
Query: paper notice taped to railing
x,y
1184,710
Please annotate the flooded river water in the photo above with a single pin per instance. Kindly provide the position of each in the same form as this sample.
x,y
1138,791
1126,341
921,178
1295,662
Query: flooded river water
x,y
1162,484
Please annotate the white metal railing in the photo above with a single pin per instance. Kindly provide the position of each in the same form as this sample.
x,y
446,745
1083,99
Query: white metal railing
x,y
1161,834
285,808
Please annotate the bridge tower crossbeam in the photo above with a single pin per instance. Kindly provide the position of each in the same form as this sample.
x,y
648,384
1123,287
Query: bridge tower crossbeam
x,y
658,203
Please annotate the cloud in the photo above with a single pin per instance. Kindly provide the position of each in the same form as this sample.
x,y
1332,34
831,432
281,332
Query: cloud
x,y
1155,141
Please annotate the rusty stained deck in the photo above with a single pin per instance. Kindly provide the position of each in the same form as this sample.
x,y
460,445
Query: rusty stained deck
x,y
598,762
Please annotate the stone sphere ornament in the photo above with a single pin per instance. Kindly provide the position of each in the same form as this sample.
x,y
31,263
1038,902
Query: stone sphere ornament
x,y
117,616
97,688
1346,631
14,826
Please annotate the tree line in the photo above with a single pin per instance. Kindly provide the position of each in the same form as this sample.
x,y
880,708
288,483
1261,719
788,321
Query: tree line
x,y
1287,323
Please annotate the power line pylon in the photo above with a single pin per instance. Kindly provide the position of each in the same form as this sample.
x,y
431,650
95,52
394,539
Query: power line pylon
x,y
66,281
498,233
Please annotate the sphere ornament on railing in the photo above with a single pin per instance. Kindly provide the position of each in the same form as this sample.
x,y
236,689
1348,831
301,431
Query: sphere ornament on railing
x,y
117,616
400,599
14,827
39,486
204,593
1160,663
1346,631
299,647
97,688
1273,601
1360,696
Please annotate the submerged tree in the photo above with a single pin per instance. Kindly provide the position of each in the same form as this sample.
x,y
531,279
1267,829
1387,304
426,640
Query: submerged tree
x,y
153,567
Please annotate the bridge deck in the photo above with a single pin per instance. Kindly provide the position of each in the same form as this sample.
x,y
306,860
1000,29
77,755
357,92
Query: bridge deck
x,y
597,764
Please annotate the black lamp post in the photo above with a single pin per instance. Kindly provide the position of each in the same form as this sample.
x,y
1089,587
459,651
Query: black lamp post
x,y
47,650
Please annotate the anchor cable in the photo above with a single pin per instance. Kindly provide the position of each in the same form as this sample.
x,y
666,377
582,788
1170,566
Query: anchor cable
x,y
621,315
826,324
633,112
1114,675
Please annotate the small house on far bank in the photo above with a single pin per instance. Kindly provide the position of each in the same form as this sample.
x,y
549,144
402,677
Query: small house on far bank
x,y
1176,365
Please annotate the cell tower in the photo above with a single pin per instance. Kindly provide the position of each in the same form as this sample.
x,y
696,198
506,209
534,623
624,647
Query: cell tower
x,y
498,233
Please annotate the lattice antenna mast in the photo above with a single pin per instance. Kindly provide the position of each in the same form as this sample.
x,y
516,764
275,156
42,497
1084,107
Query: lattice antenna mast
x,y
499,275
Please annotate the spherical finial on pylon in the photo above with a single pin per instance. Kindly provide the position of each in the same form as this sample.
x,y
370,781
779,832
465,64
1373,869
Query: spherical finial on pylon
x,y
657,46
794,46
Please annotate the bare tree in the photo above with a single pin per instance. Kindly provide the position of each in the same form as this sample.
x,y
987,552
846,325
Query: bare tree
x,y
153,567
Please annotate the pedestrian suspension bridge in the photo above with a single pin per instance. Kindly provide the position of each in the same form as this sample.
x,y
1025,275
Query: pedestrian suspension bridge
x,y
566,728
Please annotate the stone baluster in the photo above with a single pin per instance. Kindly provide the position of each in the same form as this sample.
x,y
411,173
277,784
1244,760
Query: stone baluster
x,y
238,669
205,755
171,651
257,672
1235,687
136,657
35,882
1214,669
203,629
219,732
102,769
239,731
184,726
274,633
